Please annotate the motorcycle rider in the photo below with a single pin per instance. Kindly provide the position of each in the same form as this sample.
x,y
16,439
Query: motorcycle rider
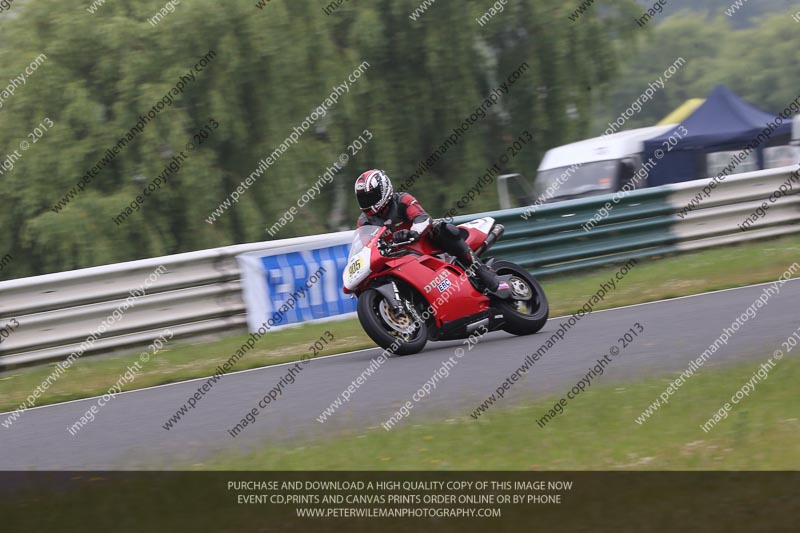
x,y
410,222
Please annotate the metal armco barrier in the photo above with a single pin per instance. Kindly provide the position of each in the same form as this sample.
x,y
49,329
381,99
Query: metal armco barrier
x,y
200,292
646,222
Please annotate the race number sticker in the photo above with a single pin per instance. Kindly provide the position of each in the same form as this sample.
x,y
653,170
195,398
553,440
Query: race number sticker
x,y
355,266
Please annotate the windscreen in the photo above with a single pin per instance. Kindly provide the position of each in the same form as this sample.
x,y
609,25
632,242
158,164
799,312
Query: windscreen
x,y
575,180
362,237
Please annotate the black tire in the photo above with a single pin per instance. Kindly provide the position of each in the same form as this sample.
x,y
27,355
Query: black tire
x,y
518,322
379,331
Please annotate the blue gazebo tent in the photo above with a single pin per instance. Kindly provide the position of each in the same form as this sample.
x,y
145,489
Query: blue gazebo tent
x,y
723,123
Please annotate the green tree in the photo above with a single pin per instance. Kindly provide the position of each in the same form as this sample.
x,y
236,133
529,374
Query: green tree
x,y
271,68
755,63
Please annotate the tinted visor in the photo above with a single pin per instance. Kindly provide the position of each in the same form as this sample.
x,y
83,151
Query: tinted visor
x,y
366,199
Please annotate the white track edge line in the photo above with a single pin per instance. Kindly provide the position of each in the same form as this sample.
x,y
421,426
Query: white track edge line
x,y
376,348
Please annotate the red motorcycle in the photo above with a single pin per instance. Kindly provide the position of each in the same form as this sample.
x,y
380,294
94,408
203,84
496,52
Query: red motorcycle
x,y
411,292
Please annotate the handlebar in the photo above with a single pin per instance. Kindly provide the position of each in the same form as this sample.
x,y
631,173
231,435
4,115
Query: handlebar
x,y
390,249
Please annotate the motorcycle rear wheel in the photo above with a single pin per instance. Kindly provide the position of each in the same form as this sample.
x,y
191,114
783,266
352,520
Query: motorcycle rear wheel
x,y
376,318
523,317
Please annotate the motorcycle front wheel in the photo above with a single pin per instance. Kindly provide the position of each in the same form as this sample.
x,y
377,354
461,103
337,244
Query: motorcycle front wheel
x,y
395,331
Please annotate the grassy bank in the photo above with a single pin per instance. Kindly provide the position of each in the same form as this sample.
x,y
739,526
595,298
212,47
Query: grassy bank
x,y
652,279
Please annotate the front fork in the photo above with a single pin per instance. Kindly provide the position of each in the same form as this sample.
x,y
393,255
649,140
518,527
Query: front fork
x,y
392,295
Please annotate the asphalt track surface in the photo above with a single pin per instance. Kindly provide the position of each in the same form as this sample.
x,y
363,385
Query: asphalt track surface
x,y
128,434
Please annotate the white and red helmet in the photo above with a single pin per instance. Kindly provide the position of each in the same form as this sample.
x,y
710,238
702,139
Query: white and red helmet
x,y
373,191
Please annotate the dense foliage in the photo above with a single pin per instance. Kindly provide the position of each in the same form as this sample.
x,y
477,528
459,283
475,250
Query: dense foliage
x,y
757,63
274,66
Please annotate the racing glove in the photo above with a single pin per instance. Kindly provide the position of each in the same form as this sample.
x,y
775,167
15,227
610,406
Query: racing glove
x,y
404,235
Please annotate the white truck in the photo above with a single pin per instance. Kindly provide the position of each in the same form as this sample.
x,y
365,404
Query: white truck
x,y
796,131
604,164
593,166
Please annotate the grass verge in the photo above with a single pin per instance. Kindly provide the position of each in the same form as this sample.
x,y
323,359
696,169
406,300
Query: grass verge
x,y
652,279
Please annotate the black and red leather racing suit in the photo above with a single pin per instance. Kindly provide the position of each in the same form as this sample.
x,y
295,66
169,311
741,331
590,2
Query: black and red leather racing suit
x,y
406,213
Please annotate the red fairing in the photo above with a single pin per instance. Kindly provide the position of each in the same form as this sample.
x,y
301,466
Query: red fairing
x,y
445,287
410,292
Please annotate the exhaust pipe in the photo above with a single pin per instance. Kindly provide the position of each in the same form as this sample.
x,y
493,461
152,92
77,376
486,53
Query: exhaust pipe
x,y
494,235
475,325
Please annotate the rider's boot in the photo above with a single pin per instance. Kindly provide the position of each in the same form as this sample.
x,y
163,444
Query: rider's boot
x,y
455,245
484,274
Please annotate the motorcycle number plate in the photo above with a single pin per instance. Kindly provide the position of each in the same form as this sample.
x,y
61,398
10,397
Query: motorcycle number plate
x,y
355,266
